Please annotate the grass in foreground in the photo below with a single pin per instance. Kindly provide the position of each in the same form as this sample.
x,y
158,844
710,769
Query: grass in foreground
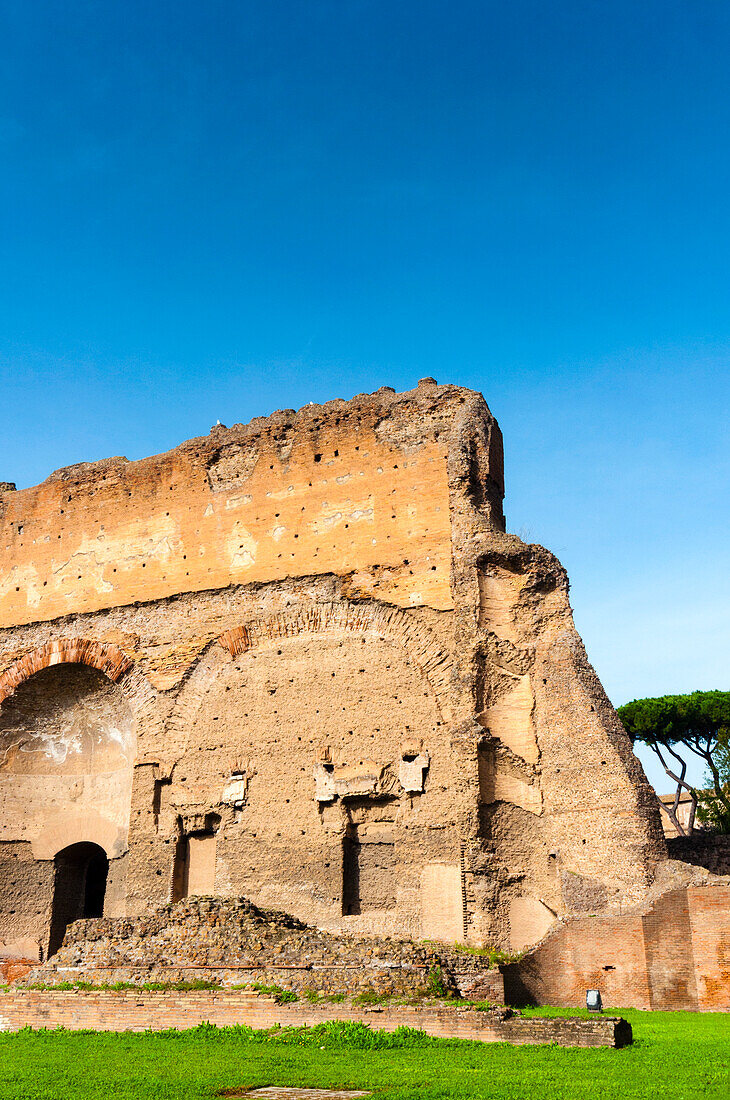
x,y
677,1056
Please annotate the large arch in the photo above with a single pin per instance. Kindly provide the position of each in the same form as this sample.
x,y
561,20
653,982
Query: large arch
x,y
74,822
336,617
68,746
343,689
112,662
349,618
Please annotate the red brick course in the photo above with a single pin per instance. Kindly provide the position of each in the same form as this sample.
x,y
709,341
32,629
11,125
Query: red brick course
x,y
106,658
129,1010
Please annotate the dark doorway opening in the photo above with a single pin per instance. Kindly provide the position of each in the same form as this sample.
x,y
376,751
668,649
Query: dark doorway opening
x,y
79,887
180,869
350,872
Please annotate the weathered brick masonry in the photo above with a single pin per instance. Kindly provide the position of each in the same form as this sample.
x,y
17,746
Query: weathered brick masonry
x,y
673,955
132,1011
702,849
301,661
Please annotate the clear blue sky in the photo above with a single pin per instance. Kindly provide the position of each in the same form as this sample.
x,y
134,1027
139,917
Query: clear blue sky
x,y
212,210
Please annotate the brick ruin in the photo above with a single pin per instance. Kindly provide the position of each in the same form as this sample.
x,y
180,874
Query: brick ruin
x,y
301,661
232,943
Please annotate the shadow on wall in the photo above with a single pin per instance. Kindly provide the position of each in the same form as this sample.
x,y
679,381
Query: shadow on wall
x,y
78,889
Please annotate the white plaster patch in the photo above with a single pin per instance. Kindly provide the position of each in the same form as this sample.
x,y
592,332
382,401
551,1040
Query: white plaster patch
x,y
241,547
234,792
326,523
412,770
238,501
139,541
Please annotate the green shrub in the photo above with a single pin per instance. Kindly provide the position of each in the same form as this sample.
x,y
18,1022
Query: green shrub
x,y
281,996
370,997
495,955
436,982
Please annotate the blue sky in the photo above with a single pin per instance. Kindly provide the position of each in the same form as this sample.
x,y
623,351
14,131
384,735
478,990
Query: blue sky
x,y
215,210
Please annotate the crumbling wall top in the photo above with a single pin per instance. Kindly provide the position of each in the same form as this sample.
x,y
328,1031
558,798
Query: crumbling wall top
x,y
356,488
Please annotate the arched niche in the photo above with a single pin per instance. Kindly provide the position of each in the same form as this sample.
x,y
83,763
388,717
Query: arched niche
x,y
68,743
110,660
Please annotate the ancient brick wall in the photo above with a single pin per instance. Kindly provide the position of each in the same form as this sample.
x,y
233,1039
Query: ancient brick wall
x,y
674,955
137,1011
709,907
703,849
301,661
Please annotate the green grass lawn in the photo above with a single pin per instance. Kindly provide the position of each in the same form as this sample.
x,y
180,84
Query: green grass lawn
x,y
676,1055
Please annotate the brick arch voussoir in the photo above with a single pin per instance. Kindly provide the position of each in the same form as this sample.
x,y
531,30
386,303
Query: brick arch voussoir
x,y
322,618
108,659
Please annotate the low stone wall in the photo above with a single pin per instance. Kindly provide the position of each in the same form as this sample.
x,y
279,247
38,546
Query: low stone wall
x,y
129,1010
232,941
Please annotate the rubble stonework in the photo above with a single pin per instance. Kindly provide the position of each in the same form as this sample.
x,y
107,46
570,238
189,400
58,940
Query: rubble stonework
x,y
301,661
234,943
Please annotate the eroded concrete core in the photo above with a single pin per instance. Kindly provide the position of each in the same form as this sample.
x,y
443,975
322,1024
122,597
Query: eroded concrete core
x,y
301,661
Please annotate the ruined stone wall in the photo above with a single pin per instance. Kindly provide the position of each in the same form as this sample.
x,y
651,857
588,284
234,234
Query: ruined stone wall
x,y
360,489
703,849
360,685
26,894
566,821
554,761
232,942
346,692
